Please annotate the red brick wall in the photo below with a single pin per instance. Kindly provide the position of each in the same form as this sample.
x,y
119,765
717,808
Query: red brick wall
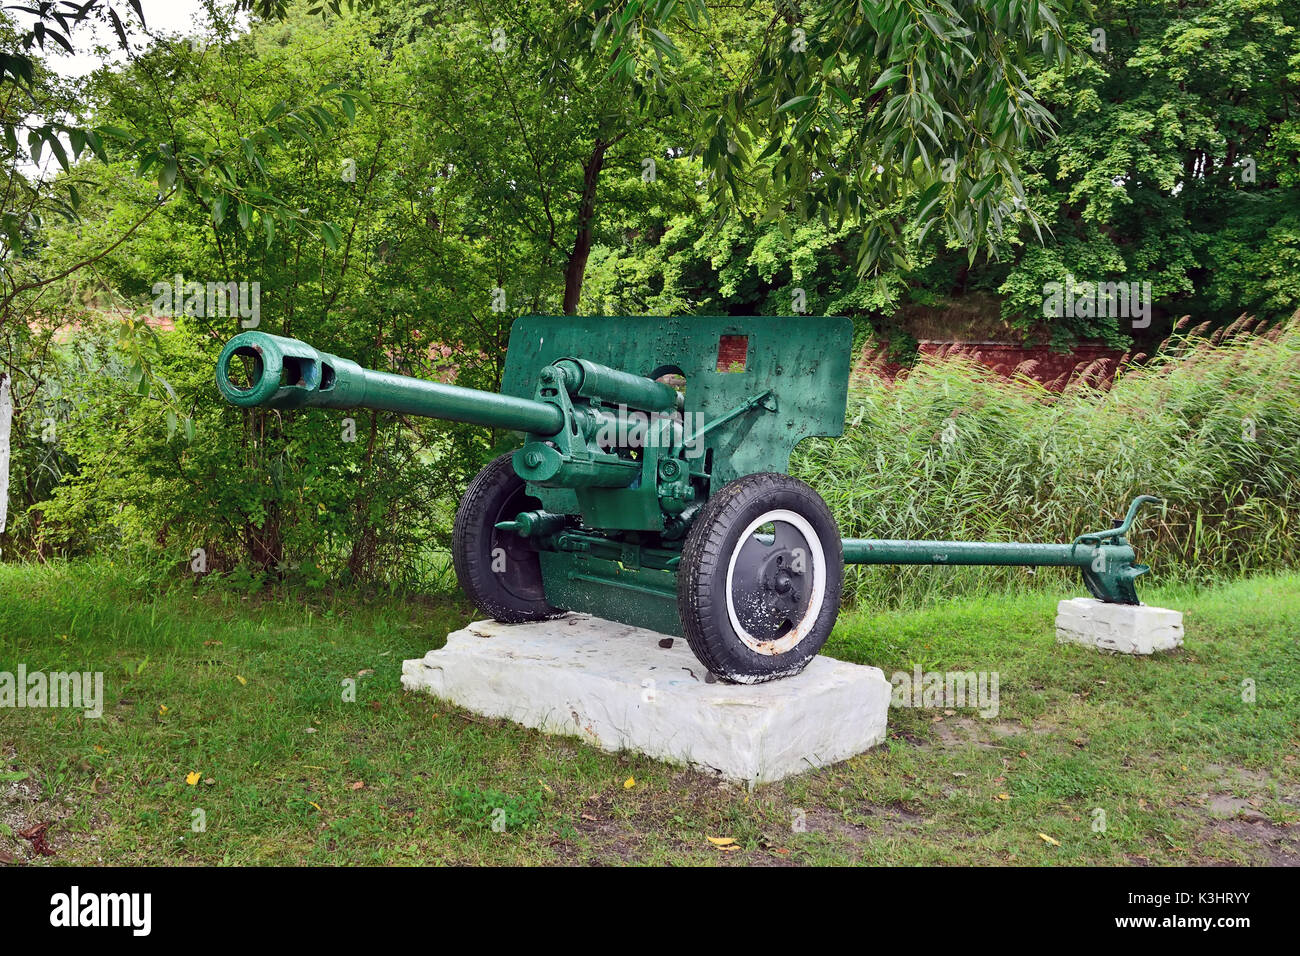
x,y
1053,370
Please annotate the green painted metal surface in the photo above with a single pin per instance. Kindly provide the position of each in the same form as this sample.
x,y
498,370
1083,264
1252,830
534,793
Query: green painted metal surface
x,y
640,597
802,360
889,551
1104,557
287,373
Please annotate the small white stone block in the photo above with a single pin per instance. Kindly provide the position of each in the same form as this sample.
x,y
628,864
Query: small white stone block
x,y
1125,628
617,689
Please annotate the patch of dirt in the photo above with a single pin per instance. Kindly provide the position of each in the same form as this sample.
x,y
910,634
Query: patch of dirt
x,y
833,824
891,819
1226,806
912,739
604,836
1004,728
985,734
1241,793
1270,844
1234,814
1238,776
31,823
600,839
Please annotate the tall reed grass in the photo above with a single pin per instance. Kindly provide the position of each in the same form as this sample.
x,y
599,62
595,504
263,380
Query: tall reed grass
x,y
952,452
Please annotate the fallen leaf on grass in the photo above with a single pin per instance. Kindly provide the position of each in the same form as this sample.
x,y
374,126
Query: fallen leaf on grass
x,y
721,841
193,777
1046,839
588,817
36,835
1003,796
629,783
240,678
359,785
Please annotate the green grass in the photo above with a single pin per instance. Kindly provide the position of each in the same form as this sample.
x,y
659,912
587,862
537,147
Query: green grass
x,y
1157,744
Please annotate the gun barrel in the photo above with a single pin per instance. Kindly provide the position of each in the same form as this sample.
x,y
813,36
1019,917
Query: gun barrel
x,y
279,372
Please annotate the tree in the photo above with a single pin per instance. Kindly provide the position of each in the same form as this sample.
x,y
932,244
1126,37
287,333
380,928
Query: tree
x,y
847,107
39,115
1178,162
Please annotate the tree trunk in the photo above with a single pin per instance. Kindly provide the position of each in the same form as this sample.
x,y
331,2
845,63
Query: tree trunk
x,y
6,419
266,545
576,267
366,543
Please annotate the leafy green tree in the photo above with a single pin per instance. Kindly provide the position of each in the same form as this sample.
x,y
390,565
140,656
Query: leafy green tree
x,y
847,107
1161,94
42,116
273,490
1178,163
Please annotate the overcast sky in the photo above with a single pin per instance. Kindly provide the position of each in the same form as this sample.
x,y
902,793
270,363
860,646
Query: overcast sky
x,y
160,16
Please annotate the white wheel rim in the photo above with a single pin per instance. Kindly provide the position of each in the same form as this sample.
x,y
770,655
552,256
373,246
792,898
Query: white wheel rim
x,y
817,556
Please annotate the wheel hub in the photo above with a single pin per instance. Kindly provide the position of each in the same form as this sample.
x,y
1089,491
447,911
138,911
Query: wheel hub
x,y
775,582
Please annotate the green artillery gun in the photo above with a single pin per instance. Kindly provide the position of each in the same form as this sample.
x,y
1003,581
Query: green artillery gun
x,y
640,503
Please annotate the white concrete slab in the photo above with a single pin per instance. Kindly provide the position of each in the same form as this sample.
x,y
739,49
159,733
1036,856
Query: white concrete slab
x,y
615,687
1124,628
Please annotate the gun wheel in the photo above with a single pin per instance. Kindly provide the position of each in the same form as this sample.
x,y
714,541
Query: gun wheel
x,y
759,583
499,570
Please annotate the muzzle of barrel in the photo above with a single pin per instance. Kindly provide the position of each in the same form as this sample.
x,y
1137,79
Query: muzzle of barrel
x,y
257,369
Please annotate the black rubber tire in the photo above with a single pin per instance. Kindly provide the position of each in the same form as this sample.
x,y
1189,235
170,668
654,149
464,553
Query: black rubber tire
x,y
702,577
515,593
